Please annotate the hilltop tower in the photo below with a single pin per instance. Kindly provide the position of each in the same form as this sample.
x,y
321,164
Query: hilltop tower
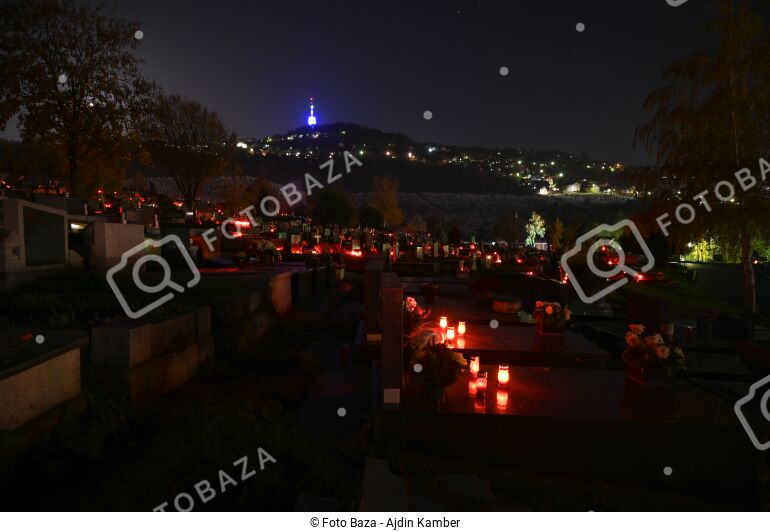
x,y
311,120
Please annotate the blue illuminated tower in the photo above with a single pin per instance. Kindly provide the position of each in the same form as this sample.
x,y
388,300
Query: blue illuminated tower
x,y
311,120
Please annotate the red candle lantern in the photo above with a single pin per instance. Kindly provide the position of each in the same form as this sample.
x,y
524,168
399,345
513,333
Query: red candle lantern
x,y
502,398
461,328
472,387
481,383
442,322
474,367
503,376
450,335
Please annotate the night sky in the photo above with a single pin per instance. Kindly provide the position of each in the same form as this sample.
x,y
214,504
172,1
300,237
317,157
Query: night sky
x,y
383,64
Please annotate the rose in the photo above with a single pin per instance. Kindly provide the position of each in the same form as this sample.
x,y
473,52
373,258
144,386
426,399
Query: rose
x,y
637,329
633,340
654,340
662,352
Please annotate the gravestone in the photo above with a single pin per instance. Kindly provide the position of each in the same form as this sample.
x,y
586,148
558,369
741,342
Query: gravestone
x,y
372,274
392,338
35,241
142,215
112,240
62,203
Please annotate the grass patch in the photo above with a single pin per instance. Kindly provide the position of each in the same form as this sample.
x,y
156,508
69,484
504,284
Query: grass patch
x,y
686,298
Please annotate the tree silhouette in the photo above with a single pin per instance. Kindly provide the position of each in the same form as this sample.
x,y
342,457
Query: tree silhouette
x,y
557,234
372,218
710,120
69,73
334,207
188,141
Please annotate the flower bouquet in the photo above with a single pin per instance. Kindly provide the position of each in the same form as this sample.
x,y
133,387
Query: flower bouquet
x,y
550,318
649,359
415,318
435,367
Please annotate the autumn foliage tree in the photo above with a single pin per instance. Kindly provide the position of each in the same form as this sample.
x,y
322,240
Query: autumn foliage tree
x,y
557,234
385,200
188,141
535,228
70,76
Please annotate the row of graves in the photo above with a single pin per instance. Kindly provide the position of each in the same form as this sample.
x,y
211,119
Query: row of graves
x,y
158,308
526,380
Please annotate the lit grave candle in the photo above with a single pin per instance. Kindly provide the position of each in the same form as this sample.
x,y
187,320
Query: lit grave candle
x,y
472,387
474,367
503,376
461,328
442,322
481,383
502,398
450,335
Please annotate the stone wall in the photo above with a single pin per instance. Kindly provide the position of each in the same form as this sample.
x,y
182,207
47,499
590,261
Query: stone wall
x,y
33,391
145,358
